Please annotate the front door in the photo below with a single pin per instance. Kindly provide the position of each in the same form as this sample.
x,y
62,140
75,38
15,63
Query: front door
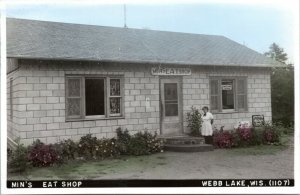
x,y
171,106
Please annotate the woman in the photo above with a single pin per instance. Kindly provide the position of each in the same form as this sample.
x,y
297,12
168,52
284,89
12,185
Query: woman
x,y
206,129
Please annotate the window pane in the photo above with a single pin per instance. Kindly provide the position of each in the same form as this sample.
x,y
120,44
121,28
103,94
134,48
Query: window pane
x,y
227,94
115,87
241,86
170,91
214,87
171,109
74,87
73,106
171,99
94,97
241,102
115,105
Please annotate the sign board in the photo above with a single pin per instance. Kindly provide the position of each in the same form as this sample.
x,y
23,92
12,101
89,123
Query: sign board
x,y
170,71
226,87
258,120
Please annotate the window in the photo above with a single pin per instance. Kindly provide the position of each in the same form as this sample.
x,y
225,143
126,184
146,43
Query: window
x,y
90,97
171,99
228,94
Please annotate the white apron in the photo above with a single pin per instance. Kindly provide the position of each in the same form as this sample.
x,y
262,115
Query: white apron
x,y
206,129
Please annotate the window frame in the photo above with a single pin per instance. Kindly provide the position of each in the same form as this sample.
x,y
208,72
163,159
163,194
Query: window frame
x,y
235,95
107,114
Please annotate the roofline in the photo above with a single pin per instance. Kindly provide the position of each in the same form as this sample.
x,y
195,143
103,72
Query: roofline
x,y
118,27
147,62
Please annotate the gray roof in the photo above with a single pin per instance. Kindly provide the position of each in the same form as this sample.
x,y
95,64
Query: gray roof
x,y
31,39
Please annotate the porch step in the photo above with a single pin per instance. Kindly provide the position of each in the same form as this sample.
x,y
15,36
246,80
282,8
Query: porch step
x,y
189,148
185,143
184,140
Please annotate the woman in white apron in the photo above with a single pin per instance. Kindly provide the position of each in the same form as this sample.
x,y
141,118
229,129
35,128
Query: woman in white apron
x,y
206,129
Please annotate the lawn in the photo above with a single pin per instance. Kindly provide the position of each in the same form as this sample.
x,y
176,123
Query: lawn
x,y
81,169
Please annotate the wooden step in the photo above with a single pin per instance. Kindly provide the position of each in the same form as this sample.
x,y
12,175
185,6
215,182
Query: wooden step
x,y
189,147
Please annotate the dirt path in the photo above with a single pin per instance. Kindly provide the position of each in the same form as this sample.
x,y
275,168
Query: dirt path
x,y
218,164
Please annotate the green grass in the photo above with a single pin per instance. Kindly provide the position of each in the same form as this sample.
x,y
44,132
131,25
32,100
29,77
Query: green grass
x,y
262,149
79,169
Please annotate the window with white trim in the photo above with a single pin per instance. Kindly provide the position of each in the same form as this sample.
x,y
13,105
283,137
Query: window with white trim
x,y
94,97
228,94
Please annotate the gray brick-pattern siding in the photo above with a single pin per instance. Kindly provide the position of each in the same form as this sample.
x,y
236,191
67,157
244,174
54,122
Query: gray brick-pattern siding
x,y
39,99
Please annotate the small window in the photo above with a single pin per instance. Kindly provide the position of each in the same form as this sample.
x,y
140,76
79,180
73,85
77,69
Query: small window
x,y
228,94
93,97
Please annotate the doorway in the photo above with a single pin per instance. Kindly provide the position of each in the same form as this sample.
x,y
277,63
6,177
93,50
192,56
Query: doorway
x,y
171,106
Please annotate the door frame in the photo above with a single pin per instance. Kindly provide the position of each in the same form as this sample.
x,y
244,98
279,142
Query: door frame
x,y
180,102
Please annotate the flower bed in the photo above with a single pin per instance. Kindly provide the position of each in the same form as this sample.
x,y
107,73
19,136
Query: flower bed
x,y
88,147
246,136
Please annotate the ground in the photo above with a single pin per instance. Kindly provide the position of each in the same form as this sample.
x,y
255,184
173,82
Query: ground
x,y
268,161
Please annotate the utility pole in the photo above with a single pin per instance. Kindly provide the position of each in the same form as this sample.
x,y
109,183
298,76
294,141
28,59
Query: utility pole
x,y
125,26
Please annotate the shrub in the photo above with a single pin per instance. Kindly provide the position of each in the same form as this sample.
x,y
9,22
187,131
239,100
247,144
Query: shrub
x,y
223,139
138,146
18,158
236,139
143,143
66,149
107,148
272,133
257,136
123,138
194,121
245,134
42,155
87,146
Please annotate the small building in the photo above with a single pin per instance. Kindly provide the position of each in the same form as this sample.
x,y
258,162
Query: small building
x,y
68,80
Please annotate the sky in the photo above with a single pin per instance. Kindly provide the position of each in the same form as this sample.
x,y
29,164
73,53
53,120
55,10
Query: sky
x,y
253,25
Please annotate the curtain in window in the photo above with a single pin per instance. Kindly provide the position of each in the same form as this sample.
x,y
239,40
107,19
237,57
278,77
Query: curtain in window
x,y
73,97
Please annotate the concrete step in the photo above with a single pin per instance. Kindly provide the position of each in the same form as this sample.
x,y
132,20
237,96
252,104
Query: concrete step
x,y
189,147
184,140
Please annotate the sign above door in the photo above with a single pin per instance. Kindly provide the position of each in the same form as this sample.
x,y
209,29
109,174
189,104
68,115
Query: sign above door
x,y
170,71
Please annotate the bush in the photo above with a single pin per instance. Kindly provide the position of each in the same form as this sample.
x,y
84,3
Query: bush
x,y
106,148
272,133
123,139
141,143
87,146
66,149
236,139
223,139
257,136
194,121
138,145
42,155
245,134
18,159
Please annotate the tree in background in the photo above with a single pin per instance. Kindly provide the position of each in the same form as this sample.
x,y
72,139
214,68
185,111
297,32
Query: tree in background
x,y
282,87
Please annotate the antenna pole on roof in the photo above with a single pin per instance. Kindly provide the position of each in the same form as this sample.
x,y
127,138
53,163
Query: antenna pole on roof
x,y
125,26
